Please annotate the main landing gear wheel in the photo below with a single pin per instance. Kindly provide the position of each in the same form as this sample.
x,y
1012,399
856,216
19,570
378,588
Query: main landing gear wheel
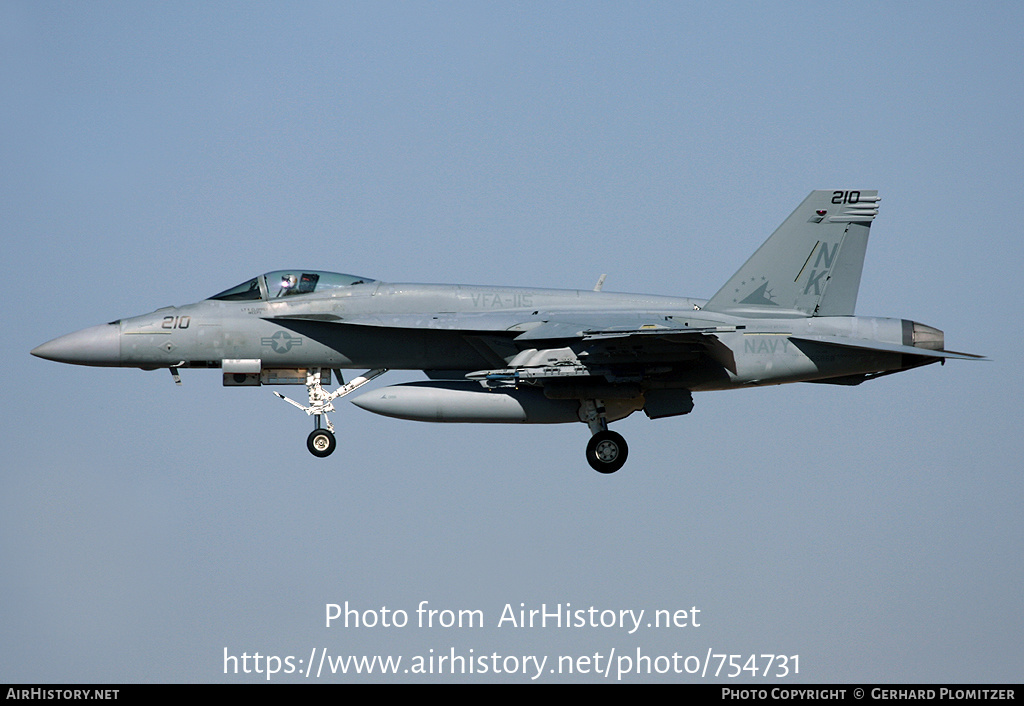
x,y
607,451
321,443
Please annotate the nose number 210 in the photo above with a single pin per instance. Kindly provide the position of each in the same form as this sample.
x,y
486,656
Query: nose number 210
x,y
173,322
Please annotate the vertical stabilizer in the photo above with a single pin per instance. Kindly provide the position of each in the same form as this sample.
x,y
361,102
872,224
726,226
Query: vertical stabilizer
x,y
811,264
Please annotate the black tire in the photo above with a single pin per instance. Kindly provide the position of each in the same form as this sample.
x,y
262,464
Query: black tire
x,y
607,451
321,443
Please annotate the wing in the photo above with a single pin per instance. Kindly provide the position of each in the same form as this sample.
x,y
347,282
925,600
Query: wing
x,y
626,360
571,355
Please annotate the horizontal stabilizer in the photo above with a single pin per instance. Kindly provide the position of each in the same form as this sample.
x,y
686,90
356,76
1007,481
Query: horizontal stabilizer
x,y
866,344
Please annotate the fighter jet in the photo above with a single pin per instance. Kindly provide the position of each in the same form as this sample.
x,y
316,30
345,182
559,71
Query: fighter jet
x,y
538,356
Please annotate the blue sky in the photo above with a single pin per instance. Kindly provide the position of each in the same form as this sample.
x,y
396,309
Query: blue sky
x,y
159,153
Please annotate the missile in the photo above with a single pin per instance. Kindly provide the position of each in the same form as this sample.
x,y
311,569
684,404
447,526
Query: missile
x,y
458,401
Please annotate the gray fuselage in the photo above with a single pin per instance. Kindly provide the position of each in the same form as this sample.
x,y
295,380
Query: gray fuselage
x,y
439,327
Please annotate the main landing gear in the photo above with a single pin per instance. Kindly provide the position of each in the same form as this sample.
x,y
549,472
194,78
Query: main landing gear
x,y
607,450
322,442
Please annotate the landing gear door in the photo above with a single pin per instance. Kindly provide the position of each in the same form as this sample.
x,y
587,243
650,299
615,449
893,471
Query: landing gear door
x,y
241,372
249,372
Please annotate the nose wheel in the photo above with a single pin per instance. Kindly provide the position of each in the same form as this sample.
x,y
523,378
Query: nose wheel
x,y
321,443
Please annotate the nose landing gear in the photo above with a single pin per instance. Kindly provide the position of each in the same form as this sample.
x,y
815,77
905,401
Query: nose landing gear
x,y
321,442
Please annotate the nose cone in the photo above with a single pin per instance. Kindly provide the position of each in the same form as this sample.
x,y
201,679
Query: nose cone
x,y
96,345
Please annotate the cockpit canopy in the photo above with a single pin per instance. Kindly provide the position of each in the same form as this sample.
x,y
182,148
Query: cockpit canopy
x,y
287,283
